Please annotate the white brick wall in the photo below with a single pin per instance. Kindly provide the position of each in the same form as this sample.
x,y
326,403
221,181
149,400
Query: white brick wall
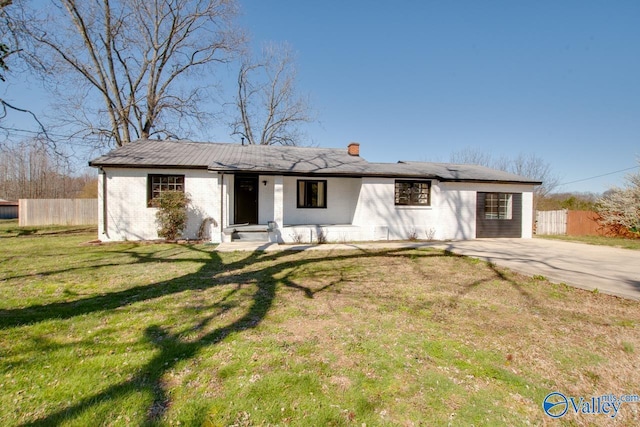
x,y
376,208
265,198
458,207
367,204
342,195
129,218
452,214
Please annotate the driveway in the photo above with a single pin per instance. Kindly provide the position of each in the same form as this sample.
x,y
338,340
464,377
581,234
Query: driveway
x,y
610,270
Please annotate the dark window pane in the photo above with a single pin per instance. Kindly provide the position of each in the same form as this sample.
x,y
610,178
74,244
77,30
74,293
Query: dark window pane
x,y
312,194
160,183
498,206
412,192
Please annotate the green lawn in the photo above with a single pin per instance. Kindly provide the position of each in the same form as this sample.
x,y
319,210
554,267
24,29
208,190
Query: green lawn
x,y
617,242
168,334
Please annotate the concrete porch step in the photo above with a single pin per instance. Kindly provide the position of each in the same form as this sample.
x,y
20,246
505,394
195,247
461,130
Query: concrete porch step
x,y
250,236
248,233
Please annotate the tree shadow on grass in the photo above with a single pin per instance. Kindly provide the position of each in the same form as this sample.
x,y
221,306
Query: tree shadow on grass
x,y
263,271
501,274
45,231
135,258
171,348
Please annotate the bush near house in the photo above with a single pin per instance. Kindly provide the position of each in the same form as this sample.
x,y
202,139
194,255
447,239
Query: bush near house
x,y
172,213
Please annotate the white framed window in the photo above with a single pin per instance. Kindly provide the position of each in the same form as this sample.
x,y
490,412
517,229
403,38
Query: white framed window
x,y
498,206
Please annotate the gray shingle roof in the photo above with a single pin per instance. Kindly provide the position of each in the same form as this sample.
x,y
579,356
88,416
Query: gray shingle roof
x,y
225,157
464,172
149,153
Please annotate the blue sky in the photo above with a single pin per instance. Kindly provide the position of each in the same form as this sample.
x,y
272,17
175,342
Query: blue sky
x,y
422,79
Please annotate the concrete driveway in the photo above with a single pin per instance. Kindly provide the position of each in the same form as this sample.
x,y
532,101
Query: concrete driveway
x,y
610,270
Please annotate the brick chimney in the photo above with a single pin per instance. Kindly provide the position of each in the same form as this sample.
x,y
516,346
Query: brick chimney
x,y
353,149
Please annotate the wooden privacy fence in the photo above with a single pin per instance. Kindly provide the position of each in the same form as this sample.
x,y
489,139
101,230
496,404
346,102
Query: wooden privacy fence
x,y
575,223
584,223
551,222
58,212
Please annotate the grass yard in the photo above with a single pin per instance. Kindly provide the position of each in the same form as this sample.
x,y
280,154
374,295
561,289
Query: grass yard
x,y
616,242
167,334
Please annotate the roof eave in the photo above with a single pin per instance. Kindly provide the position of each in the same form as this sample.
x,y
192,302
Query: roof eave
x,y
351,174
139,166
346,174
367,174
492,181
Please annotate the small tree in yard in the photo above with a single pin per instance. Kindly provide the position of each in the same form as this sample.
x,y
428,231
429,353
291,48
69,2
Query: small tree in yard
x,y
172,213
620,207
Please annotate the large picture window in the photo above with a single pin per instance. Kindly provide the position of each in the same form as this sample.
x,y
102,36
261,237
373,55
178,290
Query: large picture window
x,y
498,206
312,194
157,184
412,193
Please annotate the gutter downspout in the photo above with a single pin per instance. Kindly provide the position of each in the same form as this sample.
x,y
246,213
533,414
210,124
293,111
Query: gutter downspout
x,y
221,206
104,202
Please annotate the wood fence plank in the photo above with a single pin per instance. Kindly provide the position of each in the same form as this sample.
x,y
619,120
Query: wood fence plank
x,y
551,222
38,212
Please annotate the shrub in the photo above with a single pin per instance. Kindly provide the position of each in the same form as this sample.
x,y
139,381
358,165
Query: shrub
x,y
321,236
430,234
412,235
620,207
172,213
297,237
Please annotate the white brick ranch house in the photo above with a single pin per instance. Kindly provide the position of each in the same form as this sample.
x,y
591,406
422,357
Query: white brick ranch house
x,y
290,194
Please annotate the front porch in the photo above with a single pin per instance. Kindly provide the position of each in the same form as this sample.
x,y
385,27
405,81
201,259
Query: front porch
x,y
292,209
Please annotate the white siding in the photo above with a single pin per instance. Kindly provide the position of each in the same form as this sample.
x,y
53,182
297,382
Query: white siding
x,y
129,218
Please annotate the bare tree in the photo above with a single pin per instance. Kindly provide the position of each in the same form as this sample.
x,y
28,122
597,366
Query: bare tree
x,y
127,63
471,156
9,47
31,169
5,50
620,207
269,110
527,165
532,166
